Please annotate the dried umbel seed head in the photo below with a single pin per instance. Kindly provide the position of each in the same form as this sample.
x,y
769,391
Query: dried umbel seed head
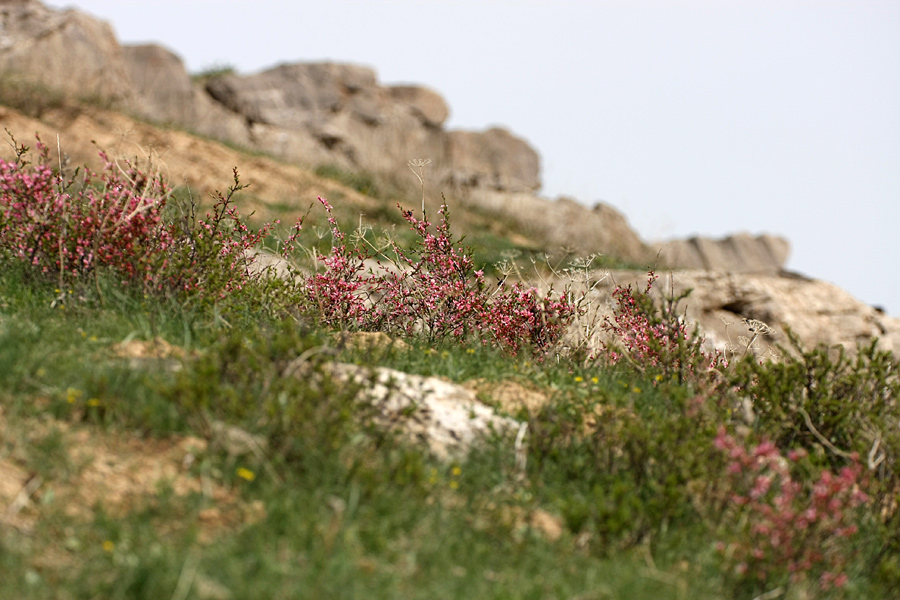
x,y
757,327
419,162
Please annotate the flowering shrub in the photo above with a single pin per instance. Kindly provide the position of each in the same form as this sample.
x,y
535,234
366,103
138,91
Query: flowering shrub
x,y
784,524
433,290
70,230
125,226
655,337
116,221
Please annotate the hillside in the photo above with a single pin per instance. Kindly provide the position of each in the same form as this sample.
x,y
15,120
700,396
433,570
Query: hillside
x,y
385,413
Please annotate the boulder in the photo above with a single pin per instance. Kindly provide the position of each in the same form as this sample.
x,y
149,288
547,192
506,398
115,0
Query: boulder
x,y
739,253
426,103
494,159
447,417
68,51
164,90
565,224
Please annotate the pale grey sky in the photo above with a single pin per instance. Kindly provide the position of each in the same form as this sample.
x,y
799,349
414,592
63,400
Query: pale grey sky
x,y
692,117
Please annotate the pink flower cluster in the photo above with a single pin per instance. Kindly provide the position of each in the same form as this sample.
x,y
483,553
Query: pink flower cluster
x,y
650,336
69,230
788,525
433,290
114,221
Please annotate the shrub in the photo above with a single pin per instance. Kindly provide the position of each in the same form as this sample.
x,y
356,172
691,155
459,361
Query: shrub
x,y
69,229
779,524
655,337
120,222
833,404
433,290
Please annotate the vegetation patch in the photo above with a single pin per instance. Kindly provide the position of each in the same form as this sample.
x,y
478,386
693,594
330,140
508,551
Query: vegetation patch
x,y
171,426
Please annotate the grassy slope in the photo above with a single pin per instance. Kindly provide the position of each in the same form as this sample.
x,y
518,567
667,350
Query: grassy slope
x,y
334,510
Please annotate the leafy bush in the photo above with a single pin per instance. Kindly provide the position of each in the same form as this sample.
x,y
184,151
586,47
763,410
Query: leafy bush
x,y
70,229
74,230
834,405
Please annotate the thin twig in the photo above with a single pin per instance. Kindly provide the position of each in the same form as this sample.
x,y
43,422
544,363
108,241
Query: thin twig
x,y
821,437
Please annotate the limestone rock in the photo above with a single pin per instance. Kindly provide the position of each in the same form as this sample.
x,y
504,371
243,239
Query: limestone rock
x,y
565,223
426,103
164,89
68,51
817,311
739,253
495,160
447,417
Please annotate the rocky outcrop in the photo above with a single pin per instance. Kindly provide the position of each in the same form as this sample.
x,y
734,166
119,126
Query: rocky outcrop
x,y
311,114
337,113
817,311
494,159
566,224
67,51
739,253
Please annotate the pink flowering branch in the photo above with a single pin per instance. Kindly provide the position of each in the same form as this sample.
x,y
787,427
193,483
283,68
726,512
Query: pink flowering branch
x,y
784,525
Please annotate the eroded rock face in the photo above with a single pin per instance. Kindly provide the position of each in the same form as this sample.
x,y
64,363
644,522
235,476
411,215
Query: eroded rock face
x,y
566,224
817,311
68,51
739,253
311,113
494,160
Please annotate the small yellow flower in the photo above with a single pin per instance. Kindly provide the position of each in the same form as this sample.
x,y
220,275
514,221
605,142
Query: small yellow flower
x,y
72,395
445,354
108,546
454,485
659,377
93,402
455,471
246,474
636,390
579,379
595,380
433,476
93,338
470,351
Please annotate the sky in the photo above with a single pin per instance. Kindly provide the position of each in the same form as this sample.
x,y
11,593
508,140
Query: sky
x,y
691,117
